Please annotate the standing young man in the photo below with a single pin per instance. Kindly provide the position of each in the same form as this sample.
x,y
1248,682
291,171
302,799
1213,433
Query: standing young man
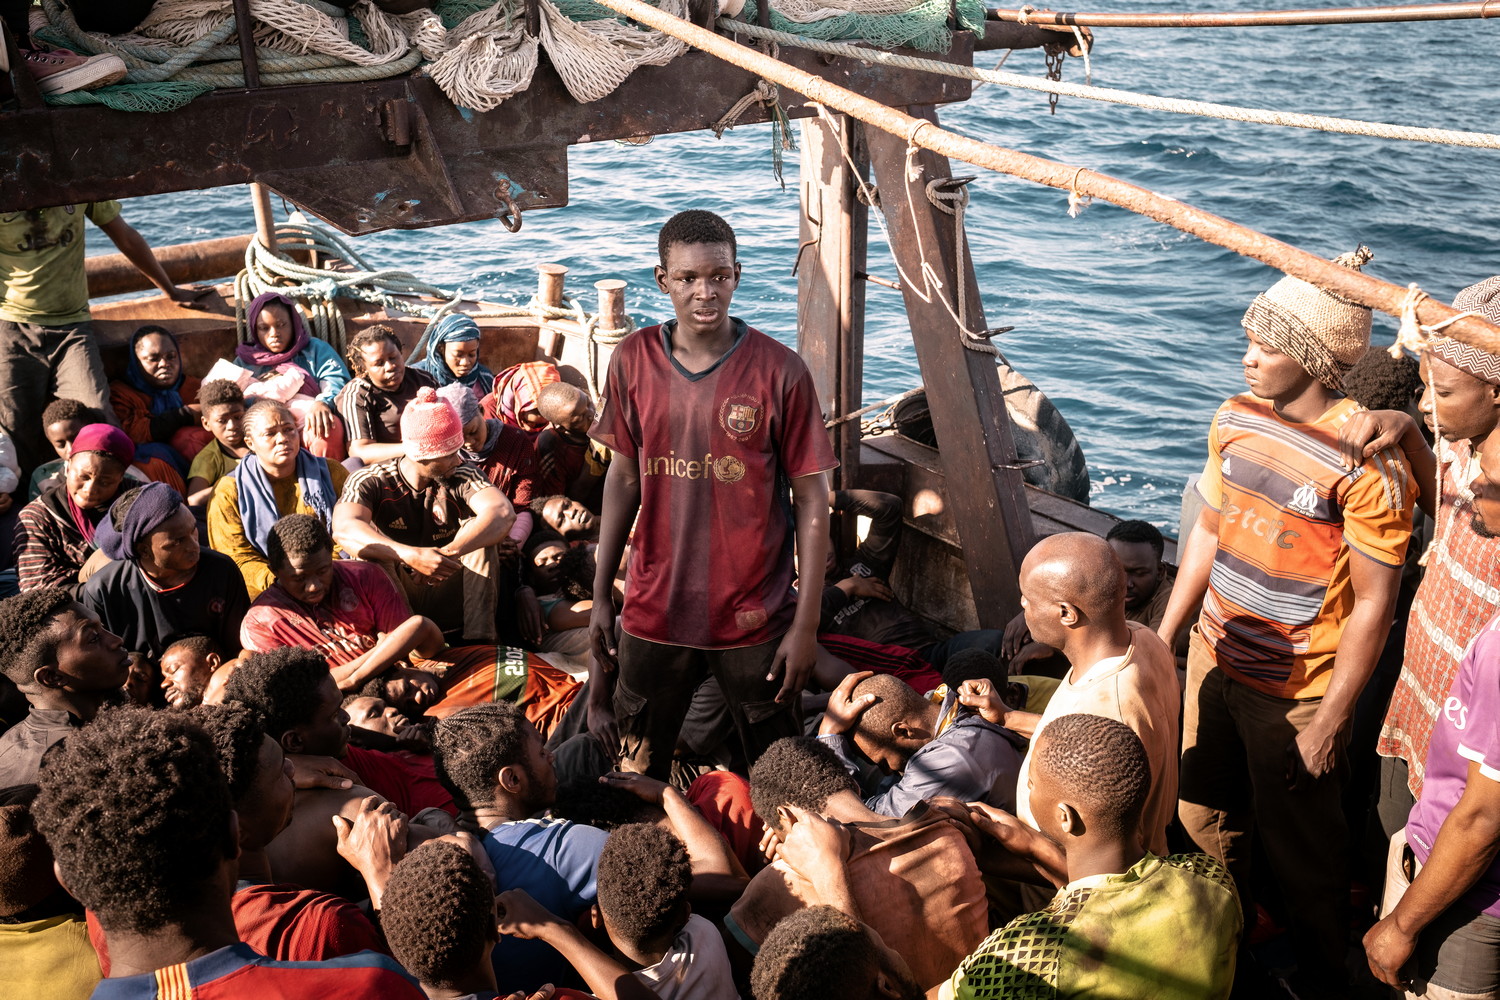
x,y
1300,559
712,425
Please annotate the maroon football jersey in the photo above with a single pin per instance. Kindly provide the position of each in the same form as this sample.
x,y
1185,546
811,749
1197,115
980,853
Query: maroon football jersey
x,y
711,557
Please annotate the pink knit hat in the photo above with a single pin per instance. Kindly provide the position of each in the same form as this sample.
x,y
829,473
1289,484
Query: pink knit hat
x,y
430,428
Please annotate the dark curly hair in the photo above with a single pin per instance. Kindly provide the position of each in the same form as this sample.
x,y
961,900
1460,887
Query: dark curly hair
x,y
295,535
798,771
71,409
1380,382
539,504
27,638
575,573
219,392
377,334
1138,531
975,664
136,811
237,734
282,685
1101,763
589,803
197,643
470,747
818,953
695,226
643,882
439,913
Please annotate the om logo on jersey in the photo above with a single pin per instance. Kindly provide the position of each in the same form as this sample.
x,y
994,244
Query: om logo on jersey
x,y
1305,499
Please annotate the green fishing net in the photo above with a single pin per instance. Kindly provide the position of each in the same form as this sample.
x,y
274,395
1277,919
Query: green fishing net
x,y
167,95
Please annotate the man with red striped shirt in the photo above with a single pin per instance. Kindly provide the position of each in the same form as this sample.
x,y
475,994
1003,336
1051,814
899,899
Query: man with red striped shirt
x,y
720,449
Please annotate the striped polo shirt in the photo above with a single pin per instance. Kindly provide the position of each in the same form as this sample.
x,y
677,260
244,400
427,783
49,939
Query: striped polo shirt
x,y
1290,516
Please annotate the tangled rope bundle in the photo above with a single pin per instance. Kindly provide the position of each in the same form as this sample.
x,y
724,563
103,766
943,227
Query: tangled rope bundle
x,y
477,52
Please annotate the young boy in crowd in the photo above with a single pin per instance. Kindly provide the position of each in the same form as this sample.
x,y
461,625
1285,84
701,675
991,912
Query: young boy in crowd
x,y
565,455
61,422
1128,923
223,409
141,822
644,875
709,420
439,918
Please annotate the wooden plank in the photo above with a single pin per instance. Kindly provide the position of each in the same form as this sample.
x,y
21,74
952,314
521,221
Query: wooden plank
x,y
833,235
985,491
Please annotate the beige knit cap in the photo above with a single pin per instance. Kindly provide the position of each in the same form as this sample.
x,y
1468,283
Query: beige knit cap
x,y
1324,332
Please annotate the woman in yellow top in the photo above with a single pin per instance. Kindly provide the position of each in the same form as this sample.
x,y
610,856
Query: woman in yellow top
x,y
277,478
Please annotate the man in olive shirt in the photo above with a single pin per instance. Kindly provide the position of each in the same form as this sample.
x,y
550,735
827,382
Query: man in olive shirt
x,y
47,346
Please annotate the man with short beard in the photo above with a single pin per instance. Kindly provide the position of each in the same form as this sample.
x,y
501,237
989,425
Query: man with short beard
x,y
1461,406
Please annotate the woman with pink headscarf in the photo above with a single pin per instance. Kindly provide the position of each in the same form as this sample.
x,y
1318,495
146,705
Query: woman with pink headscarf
x,y
517,390
55,544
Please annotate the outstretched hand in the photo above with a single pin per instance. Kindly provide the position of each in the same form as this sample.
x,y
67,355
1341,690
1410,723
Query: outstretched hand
x,y
647,789
373,843
518,915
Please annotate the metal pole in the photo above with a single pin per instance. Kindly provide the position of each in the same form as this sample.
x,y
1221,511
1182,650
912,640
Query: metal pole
x,y
244,30
1361,288
265,222
1241,19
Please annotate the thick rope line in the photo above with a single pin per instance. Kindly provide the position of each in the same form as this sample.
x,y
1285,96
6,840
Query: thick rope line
x,y
1261,116
1364,289
1242,19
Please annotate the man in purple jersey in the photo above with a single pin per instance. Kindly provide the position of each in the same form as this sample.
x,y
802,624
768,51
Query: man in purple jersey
x,y
719,446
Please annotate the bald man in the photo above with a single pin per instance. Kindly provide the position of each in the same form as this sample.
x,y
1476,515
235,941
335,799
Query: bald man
x,y
929,750
1073,596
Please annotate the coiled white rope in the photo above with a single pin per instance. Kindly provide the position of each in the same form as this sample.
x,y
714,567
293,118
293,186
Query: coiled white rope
x,y
395,291
1323,123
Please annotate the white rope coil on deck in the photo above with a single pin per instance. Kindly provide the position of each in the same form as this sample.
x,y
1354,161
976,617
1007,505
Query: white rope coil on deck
x,y
1324,123
317,289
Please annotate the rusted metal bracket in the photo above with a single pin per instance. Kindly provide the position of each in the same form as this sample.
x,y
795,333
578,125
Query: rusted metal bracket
x,y
395,153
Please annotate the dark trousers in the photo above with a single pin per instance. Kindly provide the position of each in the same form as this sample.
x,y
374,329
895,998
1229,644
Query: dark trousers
x,y
1234,788
655,686
38,364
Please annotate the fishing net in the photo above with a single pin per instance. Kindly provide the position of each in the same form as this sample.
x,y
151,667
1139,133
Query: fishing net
x,y
476,51
887,23
167,95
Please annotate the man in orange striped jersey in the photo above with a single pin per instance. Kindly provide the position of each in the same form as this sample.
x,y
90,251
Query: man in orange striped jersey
x,y
1297,560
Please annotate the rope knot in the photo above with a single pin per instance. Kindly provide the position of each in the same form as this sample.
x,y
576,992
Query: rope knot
x,y
1077,202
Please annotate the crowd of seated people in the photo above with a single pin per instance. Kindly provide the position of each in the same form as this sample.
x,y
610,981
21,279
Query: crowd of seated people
x,y
408,679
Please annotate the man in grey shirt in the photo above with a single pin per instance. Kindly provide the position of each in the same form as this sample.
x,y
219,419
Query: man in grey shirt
x,y
922,750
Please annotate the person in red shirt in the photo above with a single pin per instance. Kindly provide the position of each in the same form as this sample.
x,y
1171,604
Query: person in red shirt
x,y
719,446
141,823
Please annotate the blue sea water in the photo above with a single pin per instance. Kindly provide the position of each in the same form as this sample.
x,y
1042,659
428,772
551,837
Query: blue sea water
x,y
1130,327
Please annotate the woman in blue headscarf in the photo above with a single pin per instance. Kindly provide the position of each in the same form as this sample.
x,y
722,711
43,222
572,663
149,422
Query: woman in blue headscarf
x,y
157,405
453,354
